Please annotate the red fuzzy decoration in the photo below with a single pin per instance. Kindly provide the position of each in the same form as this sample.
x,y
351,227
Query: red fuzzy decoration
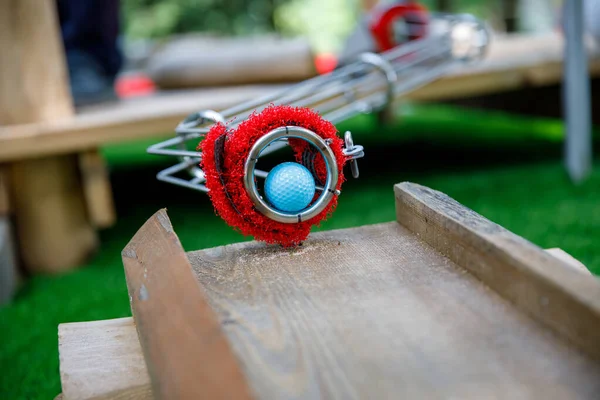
x,y
244,217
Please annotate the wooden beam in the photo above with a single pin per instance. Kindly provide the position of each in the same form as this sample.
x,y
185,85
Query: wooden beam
x,y
183,63
97,189
102,359
538,283
513,62
51,223
187,355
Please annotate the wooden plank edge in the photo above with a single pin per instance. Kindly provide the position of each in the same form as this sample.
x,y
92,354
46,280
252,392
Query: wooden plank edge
x,y
536,282
186,352
102,359
569,260
91,130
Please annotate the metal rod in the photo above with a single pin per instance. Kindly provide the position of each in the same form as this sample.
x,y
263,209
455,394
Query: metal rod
x,y
576,101
367,85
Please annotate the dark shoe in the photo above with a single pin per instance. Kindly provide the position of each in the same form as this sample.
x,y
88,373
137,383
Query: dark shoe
x,y
89,83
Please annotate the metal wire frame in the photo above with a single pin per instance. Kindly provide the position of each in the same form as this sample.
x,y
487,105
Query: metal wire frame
x,y
367,85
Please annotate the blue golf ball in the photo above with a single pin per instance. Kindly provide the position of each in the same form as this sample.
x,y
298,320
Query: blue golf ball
x,y
290,187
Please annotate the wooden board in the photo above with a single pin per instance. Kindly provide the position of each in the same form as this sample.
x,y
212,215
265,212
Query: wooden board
x,y
443,304
513,62
538,283
102,359
114,366
97,189
374,312
199,61
187,355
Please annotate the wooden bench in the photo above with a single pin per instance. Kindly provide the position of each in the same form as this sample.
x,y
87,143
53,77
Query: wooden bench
x,y
53,180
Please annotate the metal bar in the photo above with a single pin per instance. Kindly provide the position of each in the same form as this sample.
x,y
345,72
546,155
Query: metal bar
x,y
576,100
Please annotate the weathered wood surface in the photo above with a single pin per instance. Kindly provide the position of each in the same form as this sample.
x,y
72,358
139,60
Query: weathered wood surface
x,y
374,312
513,62
52,223
569,260
102,359
186,353
97,189
538,283
410,310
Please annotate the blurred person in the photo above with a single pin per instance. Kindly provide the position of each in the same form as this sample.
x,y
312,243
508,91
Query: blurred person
x,y
90,30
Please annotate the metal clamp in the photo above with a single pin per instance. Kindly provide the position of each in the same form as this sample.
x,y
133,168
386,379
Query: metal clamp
x,y
353,152
187,129
327,192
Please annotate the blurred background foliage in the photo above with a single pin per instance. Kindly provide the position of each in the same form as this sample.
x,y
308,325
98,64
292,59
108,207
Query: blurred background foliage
x,y
325,23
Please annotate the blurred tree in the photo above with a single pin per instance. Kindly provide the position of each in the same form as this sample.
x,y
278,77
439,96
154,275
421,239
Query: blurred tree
x,y
159,18
326,23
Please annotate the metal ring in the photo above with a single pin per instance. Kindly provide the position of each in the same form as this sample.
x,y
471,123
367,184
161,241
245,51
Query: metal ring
x,y
329,189
186,127
385,67
193,120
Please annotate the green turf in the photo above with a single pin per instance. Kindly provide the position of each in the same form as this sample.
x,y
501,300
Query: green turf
x,y
516,181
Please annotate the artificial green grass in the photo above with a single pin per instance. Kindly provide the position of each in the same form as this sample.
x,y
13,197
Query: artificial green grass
x,y
517,182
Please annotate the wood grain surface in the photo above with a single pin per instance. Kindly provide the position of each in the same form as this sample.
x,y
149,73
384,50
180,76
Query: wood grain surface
x,y
186,353
97,189
538,283
102,359
374,312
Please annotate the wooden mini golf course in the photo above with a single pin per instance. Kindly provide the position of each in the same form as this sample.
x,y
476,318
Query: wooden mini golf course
x,y
441,303
465,155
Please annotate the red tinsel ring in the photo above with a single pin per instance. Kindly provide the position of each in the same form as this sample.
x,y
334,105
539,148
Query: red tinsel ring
x,y
227,185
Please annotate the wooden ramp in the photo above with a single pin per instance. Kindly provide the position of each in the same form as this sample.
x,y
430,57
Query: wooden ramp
x,y
441,304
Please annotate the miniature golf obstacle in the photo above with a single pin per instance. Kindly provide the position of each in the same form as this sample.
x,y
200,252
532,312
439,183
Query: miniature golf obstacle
x,y
442,303
231,142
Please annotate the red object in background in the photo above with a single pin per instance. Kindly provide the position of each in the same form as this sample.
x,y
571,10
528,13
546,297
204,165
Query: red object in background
x,y
223,166
134,84
325,63
383,19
